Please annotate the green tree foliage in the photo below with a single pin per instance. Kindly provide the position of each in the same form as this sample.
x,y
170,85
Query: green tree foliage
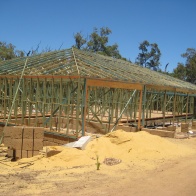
x,y
7,51
187,71
180,72
80,40
149,56
97,42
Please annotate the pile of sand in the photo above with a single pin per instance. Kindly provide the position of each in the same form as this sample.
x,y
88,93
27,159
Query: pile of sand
x,y
140,148
137,147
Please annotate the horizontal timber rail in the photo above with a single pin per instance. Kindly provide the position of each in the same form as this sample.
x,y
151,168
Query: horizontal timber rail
x,y
104,82
113,84
60,134
159,118
26,117
169,88
171,93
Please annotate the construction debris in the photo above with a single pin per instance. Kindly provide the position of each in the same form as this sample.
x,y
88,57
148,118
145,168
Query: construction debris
x,y
82,142
192,133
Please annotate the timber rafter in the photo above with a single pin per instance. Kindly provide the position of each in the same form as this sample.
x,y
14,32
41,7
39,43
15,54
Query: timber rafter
x,y
77,63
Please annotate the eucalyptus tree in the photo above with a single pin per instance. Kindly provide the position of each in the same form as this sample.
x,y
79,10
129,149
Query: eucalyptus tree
x,y
98,42
80,41
8,51
187,71
149,56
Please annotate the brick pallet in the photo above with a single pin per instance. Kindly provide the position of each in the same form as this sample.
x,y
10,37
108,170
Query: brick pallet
x,y
25,141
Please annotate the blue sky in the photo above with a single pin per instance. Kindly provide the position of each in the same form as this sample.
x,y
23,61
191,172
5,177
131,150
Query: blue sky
x,y
169,23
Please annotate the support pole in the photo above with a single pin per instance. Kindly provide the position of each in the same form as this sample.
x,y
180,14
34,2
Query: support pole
x,y
187,106
84,106
174,108
140,110
164,107
143,106
194,109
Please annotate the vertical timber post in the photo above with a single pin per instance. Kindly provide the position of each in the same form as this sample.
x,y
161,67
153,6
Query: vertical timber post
x,y
84,103
77,107
187,106
194,107
140,110
174,108
164,108
143,105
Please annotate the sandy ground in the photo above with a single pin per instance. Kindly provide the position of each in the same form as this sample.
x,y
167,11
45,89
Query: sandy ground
x,y
149,165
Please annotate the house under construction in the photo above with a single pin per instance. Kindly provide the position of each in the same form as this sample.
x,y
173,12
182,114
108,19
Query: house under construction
x,y
73,91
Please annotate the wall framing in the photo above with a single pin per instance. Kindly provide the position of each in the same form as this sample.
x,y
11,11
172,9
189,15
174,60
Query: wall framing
x,y
74,92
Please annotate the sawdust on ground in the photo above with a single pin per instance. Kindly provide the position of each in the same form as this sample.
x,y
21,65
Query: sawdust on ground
x,y
140,150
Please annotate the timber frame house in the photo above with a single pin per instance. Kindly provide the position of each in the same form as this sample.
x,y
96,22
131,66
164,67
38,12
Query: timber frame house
x,y
73,91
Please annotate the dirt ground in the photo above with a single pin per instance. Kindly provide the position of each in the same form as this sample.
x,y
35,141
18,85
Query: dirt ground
x,y
149,165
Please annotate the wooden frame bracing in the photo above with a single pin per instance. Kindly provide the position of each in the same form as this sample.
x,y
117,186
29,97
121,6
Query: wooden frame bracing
x,y
73,91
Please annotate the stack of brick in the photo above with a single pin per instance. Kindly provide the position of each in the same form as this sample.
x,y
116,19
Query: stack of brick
x,y
171,128
184,127
25,141
161,133
194,125
1,130
162,128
